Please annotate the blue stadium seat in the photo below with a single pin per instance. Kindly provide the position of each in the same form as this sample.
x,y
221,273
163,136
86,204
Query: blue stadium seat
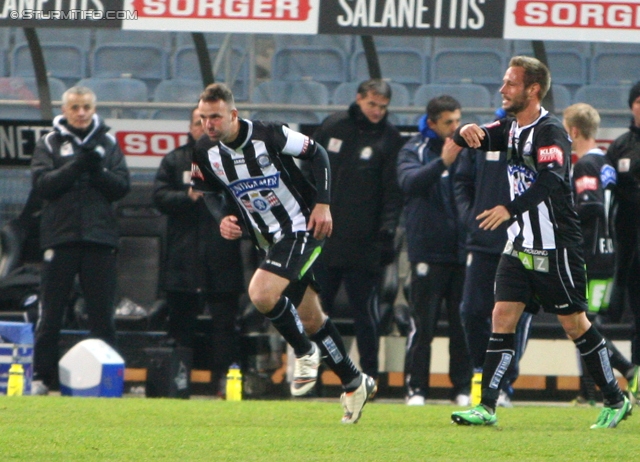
x,y
145,62
176,91
607,97
303,92
339,41
118,90
65,62
76,36
616,67
499,45
468,65
525,47
405,66
561,97
469,95
185,66
25,88
422,45
345,94
159,39
326,65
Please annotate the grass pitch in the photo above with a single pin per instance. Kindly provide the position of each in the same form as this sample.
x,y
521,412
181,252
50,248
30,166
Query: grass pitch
x,y
72,429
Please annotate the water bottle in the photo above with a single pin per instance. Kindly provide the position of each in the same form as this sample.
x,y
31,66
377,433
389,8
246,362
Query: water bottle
x,y
234,383
476,387
15,385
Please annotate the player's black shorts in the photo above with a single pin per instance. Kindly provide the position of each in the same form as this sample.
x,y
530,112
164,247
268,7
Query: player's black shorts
x,y
555,279
292,258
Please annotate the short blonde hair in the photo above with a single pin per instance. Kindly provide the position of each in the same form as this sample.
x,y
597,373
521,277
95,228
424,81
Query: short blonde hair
x,y
583,117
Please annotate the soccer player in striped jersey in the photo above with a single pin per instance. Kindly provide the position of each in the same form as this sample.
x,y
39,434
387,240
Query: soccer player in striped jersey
x,y
248,174
543,256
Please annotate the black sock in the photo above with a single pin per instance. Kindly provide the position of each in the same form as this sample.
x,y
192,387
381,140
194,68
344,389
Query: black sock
x,y
593,349
335,355
617,360
500,352
284,318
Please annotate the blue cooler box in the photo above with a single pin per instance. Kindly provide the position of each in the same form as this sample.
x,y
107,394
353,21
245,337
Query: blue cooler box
x,y
16,346
91,368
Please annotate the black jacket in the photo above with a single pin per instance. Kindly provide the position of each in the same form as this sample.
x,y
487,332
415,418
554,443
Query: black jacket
x,y
78,180
481,183
198,258
434,231
366,201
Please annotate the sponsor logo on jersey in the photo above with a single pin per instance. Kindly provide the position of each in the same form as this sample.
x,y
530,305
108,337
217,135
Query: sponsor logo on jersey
x,y
586,183
246,185
550,154
521,178
608,176
218,170
239,161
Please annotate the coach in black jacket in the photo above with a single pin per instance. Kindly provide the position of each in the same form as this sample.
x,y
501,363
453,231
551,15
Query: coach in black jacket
x,y
78,170
366,204
201,268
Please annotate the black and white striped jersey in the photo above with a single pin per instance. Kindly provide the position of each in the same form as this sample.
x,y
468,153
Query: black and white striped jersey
x,y
259,172
539,163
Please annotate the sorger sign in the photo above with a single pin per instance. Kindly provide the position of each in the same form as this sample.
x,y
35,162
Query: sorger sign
x,y
259,16
584,20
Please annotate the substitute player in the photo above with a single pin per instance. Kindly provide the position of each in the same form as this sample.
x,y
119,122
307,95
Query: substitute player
x,y
248,166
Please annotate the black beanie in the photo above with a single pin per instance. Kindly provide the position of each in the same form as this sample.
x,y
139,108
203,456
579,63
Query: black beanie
x,y
634,93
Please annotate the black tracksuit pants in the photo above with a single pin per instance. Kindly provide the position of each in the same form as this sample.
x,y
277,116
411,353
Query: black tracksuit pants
x,y
96,267
441,282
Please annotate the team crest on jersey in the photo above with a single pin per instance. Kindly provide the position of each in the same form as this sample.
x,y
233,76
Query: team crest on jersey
x,y
263,160
608,176
550,154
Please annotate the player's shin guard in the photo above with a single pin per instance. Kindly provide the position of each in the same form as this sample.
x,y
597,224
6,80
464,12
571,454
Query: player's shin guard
x,y
500,353
284,318
593,349
335,354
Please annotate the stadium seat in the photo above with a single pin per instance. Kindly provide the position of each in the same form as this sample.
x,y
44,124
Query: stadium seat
x,y
301,92
25,88
405,66
469,95
501,46
340,41
345,94
326,65
118,90
65,62
422,45
176,91
561,97
607,97
145,62
76,36
235,74
159,39
616,67
468,65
